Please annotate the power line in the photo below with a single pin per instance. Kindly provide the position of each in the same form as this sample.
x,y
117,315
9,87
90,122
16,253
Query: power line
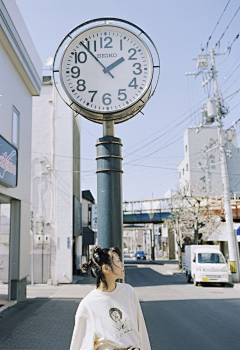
x,y
227,26
216,26
231,84
230,76
147,138
230,47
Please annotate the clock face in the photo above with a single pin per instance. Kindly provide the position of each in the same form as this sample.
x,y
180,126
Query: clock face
x,y
106,69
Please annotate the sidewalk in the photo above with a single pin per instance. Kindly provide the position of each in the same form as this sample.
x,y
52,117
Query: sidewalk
x,y
45,320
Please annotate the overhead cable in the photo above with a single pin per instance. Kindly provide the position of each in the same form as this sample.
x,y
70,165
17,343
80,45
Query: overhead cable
x,y
227,27
210,37
230,47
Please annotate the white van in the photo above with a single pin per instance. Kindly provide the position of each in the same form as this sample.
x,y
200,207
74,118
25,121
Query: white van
x,y
205,264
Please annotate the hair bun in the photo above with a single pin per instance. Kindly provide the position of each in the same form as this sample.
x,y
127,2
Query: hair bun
x,y
97,250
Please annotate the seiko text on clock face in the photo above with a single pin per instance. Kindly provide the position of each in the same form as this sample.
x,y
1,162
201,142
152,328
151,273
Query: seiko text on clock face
x,y
106,69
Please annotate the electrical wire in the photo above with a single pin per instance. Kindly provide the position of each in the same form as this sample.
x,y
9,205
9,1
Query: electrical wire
x,y
218,42
210,37
147,138
229,76
230,47
231,84
232,94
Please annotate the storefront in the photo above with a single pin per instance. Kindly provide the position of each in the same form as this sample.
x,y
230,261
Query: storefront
x,y
20,71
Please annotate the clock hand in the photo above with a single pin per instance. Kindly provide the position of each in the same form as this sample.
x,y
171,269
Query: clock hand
x,y
85,47
113,65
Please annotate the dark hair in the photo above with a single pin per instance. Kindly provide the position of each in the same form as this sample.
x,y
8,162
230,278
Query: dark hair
x,y
115,309
100,257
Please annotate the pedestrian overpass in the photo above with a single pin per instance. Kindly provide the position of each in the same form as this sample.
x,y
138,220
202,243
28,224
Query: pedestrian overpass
x,y
153,211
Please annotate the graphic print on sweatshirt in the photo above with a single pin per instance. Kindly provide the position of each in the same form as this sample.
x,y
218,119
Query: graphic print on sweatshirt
x,y
119,323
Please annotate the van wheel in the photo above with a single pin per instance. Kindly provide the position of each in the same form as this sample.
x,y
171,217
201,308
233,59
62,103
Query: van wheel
x,y
189,278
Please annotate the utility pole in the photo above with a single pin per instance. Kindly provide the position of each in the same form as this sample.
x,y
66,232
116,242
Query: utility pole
x,y
214,112
234,265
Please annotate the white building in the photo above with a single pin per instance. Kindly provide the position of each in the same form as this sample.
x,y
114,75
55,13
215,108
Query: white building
x,y
206,171
20,79
56,195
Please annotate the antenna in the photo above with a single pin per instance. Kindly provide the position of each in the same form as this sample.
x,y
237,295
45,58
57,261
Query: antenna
x,y
48,62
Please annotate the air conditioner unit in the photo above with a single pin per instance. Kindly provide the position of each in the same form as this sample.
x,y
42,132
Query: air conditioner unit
x,y
47,80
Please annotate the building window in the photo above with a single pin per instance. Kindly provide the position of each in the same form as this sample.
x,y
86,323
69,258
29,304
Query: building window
x,y
179,174
183,171
186,148
15,127
187,167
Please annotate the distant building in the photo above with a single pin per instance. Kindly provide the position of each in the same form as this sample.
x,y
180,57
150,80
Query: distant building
x,y
89,235
206,171
20,79
56,194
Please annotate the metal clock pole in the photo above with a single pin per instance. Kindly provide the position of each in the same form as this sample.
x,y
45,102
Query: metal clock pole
x,y
109,188
99,48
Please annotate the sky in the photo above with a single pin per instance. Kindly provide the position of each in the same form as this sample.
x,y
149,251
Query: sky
x,y
153,142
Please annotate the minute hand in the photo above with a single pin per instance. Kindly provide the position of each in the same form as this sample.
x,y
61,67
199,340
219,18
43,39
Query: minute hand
x,y
113,65
85,47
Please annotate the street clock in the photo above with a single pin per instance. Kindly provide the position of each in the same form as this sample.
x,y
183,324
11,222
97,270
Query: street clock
x,y
106,70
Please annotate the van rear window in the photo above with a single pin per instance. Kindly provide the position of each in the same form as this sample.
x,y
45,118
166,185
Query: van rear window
x,y
210,258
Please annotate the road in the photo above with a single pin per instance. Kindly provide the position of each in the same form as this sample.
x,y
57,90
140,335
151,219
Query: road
x,y
181,316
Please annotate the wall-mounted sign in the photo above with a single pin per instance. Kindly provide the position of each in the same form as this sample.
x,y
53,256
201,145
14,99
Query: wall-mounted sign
x,y
94,216
8,163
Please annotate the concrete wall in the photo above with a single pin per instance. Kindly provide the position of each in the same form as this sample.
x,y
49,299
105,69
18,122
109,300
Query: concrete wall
x,y
193,158
53,181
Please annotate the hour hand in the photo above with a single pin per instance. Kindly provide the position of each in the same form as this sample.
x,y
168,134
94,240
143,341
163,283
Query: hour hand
x,y
113,65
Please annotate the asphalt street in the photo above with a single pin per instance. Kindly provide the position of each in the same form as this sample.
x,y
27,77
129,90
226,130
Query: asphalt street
x,y
177,314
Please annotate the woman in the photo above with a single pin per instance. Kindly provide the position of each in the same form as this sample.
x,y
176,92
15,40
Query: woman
x,y
110,316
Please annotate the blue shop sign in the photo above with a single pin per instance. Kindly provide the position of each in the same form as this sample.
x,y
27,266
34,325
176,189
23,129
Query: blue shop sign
x,y
238,231
8,163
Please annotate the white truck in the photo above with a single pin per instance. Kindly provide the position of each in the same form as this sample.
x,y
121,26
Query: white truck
x,y
205,264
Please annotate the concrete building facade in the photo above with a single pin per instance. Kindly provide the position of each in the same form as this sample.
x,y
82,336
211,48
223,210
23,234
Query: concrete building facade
x,y
20,79
205,170
56,197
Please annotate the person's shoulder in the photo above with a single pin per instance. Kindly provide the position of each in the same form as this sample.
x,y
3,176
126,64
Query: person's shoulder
x,y
125,287
88,299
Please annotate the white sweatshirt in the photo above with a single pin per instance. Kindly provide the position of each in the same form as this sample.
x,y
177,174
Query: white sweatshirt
x,y
108,321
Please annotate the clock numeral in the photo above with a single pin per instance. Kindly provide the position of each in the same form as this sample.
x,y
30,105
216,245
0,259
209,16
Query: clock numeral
x,y
121,44
80,57
138,67
81,85
106,99
75,72
133,54
133,83
122,94
94,93
106,46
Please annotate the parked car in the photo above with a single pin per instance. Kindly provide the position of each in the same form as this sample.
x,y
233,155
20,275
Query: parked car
x,y
140,255
125,251
131,254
